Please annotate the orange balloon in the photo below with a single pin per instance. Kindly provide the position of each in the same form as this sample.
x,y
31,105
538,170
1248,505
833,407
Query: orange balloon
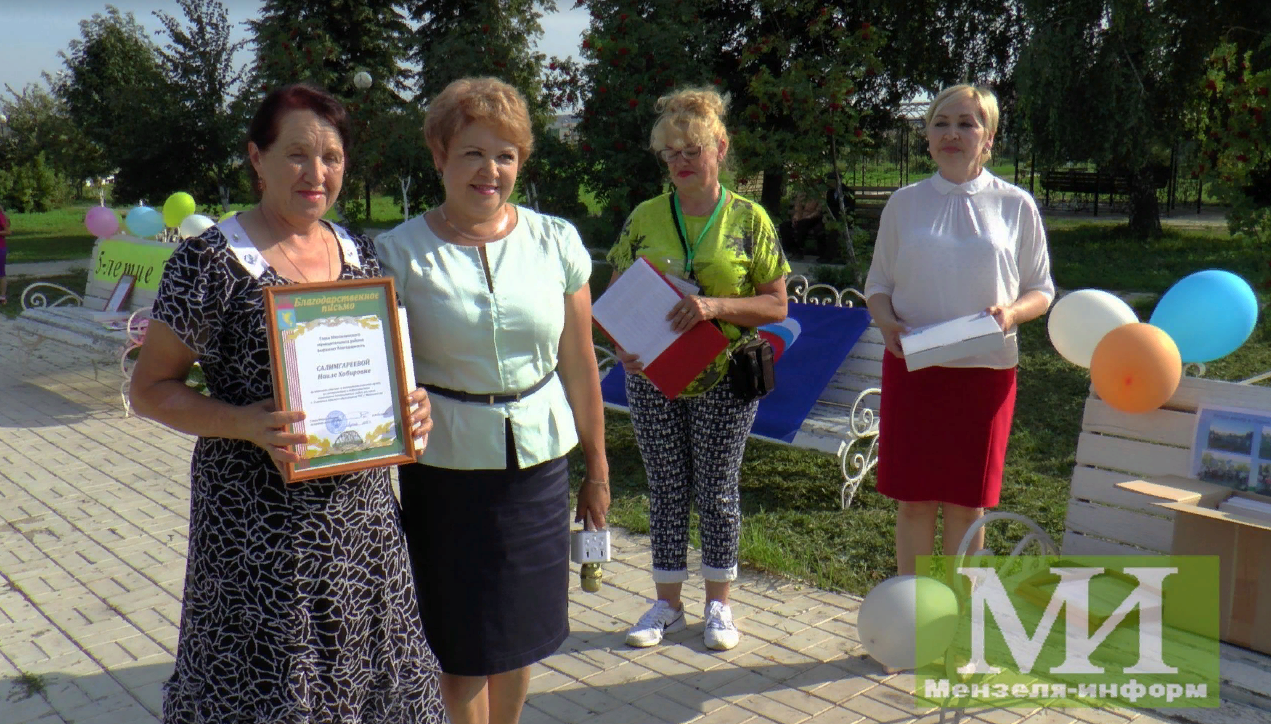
x,y
1136,367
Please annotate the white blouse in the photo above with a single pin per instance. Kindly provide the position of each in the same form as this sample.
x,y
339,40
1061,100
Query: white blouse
x,y
466,337
946,250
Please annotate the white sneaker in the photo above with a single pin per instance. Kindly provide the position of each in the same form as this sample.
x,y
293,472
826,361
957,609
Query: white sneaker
x,y
656,621
721,634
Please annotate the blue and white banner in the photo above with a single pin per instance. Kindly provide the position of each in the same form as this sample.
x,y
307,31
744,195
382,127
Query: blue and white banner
x,y
810,345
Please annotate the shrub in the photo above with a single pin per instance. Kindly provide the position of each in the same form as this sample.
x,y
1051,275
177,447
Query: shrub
x,y
33,187
598,232
554,171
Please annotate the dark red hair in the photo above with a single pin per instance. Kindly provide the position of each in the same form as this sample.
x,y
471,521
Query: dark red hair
x,y
263,130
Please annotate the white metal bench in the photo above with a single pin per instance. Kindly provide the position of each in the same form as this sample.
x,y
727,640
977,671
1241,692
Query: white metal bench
x,y
1104,519
53,312
844,421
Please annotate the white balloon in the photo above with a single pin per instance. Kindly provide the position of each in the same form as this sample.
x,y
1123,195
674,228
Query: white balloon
x,y
195,224
1080,320
362,79
891,616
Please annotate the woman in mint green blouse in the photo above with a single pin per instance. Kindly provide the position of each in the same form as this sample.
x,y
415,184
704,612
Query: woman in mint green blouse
x,y
500,328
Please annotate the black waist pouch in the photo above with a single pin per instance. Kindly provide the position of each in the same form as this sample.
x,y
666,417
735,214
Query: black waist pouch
x,y
751,369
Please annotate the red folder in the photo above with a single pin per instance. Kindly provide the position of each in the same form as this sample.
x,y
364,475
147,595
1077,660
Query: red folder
x,y
691,353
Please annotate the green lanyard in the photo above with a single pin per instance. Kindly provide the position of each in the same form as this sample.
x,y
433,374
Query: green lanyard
x,y
690,252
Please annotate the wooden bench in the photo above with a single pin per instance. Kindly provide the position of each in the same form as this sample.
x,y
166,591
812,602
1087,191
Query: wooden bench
x,y
875,195
1093,184
53,312
870,200
1104,519
844,421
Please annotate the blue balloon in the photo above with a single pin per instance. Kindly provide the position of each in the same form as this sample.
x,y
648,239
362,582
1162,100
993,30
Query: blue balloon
x,y
1208,314
144,221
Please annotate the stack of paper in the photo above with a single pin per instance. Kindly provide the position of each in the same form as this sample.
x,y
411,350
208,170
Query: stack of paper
x,y
953,340
633,313
1246,506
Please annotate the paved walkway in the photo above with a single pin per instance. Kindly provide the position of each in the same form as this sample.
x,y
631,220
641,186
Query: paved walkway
x,y
45,268
1182,217
93,536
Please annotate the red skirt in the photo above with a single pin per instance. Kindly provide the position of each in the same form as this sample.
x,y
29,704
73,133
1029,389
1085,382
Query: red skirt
x,y
943,432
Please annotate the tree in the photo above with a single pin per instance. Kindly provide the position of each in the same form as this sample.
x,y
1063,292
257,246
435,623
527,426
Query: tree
x,y
801,117
406,157
327,44
33,186
115,91
1236,150
931,44
633,53
37,122
1104,81
465,38
199,61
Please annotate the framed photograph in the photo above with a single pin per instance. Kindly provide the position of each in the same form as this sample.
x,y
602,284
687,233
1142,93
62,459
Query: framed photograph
x,y
336,353
123,288
1233,447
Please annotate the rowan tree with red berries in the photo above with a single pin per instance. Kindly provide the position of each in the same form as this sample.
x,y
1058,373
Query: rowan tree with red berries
x,y
801,114
632,54
1236,139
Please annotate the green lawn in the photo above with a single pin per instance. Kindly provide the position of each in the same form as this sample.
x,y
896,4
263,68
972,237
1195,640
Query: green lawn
x,y
1101,256
792,523
50,235
60,235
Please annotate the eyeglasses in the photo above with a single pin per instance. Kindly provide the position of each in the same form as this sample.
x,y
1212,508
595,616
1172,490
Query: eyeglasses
x,y
669,154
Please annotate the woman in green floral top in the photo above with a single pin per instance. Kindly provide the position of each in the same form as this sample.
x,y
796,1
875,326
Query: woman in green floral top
x,y
692,446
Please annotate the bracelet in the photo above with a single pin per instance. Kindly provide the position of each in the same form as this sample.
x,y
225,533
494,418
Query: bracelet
x,y
596,482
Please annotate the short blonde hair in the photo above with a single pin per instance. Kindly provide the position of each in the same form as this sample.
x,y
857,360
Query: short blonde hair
x,y
478,100
690,116
984,99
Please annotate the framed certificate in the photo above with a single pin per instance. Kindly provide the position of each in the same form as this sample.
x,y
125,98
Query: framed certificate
x,y
122,289
336,353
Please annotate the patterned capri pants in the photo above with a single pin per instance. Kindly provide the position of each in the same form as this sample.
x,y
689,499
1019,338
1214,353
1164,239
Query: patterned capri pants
x,y
692,448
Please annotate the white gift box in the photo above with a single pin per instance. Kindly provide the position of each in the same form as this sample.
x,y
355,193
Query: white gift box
x,y
950,341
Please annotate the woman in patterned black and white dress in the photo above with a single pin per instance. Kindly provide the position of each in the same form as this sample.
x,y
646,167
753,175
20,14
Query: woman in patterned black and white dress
x,y
299,599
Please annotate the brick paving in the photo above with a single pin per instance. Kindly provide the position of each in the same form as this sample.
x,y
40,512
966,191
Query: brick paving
x,y
93,533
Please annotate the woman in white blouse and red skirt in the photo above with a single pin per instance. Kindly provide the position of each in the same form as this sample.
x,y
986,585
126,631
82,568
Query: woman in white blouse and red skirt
x,y
958,243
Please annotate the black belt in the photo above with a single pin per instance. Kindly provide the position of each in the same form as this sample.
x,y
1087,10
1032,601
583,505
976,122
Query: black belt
x,y
490,398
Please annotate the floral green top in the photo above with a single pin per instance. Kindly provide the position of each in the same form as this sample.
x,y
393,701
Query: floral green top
x,y
739,253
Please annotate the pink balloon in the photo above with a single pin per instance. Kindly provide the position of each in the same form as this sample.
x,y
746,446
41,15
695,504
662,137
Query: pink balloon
x,y
101,222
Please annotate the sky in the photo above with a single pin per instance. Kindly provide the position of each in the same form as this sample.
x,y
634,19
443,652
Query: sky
x,y
35,30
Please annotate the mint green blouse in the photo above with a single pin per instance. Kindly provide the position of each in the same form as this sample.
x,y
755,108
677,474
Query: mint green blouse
x,y
465,337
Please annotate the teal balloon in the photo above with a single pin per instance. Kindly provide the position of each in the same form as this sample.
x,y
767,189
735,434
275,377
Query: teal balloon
x,y
144,221
1208,314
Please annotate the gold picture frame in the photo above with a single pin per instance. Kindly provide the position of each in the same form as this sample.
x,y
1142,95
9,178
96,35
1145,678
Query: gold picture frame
x,y
336,353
